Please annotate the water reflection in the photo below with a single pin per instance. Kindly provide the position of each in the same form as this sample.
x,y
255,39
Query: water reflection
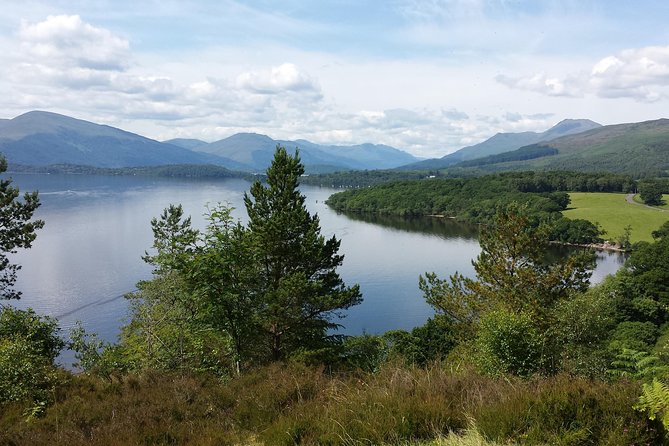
x,y
442,227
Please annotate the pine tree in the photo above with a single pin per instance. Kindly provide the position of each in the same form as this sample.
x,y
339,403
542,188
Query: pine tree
x,y
296,284
16,230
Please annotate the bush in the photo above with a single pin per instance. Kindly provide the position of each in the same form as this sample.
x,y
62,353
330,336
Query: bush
x,y
29,345
508,343
567,411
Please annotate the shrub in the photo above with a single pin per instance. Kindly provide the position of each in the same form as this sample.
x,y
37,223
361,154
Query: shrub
x,y
508,343
29,345
567,411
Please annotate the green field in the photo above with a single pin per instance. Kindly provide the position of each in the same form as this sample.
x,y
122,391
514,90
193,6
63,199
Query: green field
x,y
613,213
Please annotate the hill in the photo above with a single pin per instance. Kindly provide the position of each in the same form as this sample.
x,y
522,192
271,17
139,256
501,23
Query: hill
x,y
186,143
638,149
505,142
41,138
257,150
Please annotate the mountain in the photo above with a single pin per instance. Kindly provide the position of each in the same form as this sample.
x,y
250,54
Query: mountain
x,y
41,138
506,142
638,149
257,150
190,144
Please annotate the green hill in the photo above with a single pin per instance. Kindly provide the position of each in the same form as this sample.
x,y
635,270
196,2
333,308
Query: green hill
x,y
637,149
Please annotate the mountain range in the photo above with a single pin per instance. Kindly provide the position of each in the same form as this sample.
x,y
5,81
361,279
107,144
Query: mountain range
x,y
41,138
505,142
639,149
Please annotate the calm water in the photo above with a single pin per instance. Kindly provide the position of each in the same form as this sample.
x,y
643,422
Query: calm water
x,y
97,228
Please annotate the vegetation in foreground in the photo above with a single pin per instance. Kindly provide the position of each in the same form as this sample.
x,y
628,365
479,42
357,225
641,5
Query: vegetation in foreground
x,y
231,343
295,404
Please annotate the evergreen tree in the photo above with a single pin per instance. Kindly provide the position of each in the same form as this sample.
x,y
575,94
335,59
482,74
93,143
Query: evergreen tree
x,y
16,230
297,286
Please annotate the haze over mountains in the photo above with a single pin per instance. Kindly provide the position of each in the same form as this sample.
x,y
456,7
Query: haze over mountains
x,y
40,138
639,149
506,142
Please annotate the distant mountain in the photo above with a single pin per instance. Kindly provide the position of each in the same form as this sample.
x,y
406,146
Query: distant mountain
x,y
41,138
190,144
257,150
638,149
506,142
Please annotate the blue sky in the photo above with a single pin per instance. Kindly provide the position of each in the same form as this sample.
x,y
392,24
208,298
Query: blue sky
x,y
428,77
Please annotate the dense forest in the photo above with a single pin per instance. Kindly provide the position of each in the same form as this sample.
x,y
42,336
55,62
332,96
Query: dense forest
x,y
477,199
233,340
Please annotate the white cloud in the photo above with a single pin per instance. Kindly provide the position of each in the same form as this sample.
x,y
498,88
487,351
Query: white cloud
x,y
68,41
284,78
641,74
541,83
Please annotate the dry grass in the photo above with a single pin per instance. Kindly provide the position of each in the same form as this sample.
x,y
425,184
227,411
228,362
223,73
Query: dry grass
x,y
294,404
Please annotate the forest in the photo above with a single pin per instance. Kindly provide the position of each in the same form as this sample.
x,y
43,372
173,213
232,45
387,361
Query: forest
x,y
232,341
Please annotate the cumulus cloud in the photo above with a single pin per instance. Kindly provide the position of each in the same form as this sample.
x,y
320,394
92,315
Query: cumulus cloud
x,y
69,41
641,74
284,78
70,66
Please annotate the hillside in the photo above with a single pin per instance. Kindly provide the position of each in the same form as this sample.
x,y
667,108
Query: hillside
x,y
638,149
40,138
257,150
506,142
186,143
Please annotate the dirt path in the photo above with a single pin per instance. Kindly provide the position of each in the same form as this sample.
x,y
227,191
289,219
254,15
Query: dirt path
x,y
630,199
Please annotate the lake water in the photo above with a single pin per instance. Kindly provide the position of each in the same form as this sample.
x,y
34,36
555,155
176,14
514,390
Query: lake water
x,y
97,228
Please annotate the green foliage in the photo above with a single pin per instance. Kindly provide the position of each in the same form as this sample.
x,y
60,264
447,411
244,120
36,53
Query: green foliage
x,y
293,404
40,332
17,230
638,365
95,356
567,411
654,400
424,344
581,328
233,296
167,331
651,192
29,345
516,282
634,335
577,231
295,277
508,343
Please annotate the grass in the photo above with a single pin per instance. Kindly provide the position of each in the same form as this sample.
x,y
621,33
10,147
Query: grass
x,y
297,405
613,213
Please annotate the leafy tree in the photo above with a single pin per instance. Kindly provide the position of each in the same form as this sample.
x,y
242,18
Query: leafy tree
x,y
222,277
171,328
651,192
296,282
16,230
513,277
29,345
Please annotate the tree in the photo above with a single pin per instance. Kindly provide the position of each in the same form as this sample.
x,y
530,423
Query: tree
x,y
515,280
16,230
651,193
296,284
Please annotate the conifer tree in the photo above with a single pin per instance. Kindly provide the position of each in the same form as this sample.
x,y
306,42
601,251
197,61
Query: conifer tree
x,y
16,230
297,286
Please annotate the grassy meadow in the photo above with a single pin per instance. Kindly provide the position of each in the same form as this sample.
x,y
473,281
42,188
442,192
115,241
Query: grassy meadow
x,y
613,213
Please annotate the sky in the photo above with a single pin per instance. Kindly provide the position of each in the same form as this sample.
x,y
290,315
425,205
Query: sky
x,y
428,77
